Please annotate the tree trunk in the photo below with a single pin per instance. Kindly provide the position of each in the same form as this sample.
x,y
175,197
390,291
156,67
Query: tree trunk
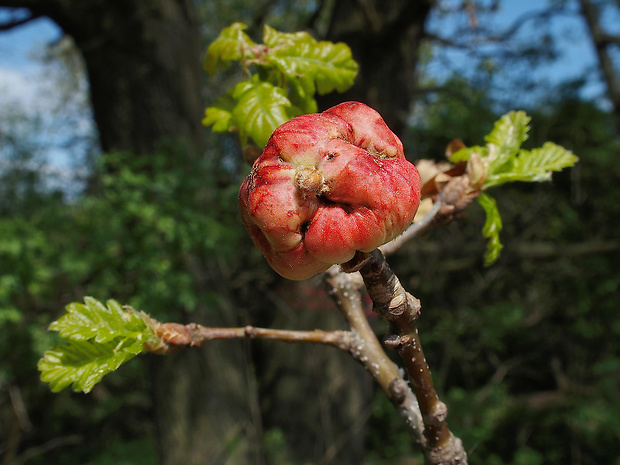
x,y
143,59
385,38
603,43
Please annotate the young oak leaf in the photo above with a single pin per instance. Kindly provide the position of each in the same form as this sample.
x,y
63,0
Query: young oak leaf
x,y
326,65
261,107
98,339
301,94
504,161
504,141
281,76
231,45
82,364
93,320
533,166
491,229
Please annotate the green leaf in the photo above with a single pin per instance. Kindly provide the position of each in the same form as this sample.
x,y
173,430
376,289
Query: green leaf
x,y
505,161
491,229
533,166
93,320
505,140
231,45
220,114
301,94
98,339
261,108
82,364
323,65
289,69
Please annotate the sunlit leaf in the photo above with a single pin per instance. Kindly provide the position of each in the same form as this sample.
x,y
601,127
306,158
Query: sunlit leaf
x,y
505,140
301,94
491,229
98,339
284,74
261,108
93,320
533,166
82,364
327,65
465,153
232,44
504,159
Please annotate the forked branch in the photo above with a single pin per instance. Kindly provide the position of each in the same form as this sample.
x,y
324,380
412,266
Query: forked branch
x,y
401,310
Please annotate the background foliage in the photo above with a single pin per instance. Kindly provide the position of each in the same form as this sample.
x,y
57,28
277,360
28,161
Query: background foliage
x,y
525,353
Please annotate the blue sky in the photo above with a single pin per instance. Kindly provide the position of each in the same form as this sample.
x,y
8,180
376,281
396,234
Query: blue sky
x,y
18,66
577,56
25,92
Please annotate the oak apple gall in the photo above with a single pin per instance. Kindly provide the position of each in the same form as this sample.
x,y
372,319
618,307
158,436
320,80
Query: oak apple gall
x,y
328,185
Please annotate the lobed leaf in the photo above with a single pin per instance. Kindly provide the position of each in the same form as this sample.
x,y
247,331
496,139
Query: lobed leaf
x,y
290,69
491,229
505,160
533,166
324,66
301,94
82,364
231,45
504,141
98,339
465,153
93,320
261,107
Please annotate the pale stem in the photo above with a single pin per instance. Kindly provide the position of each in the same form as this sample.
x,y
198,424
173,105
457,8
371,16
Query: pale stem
x,y
368,351
175,336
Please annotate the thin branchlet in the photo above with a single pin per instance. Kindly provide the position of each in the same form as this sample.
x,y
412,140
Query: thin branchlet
x,y
175,336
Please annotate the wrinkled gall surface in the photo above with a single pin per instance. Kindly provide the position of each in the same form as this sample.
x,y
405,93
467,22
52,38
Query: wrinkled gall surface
x,y
327,185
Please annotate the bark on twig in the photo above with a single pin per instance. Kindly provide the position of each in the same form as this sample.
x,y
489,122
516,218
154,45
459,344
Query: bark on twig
x,y
368,351
175,336
400,309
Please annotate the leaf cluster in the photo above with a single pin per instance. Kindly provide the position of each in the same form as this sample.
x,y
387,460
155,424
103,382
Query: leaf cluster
x,y
504,161
281,77
98,340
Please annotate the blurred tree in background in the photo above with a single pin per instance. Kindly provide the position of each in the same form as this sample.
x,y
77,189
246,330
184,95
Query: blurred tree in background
x,y
525,353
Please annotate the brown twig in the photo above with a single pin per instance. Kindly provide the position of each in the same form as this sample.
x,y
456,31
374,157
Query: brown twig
x,y
175,336
401,310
